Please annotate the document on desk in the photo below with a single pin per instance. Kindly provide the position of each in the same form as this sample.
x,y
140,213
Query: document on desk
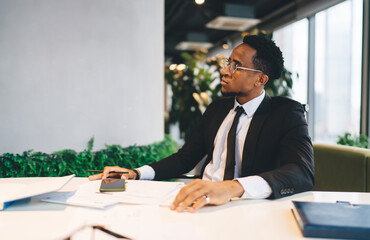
x,y
149,192
82,200
11,192
137,192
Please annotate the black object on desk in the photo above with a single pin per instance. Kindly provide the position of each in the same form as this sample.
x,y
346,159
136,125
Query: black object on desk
x,y
333,220
112,185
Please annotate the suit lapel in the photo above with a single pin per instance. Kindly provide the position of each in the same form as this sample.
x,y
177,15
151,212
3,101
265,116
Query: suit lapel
x,y
219,117
215,123
254,131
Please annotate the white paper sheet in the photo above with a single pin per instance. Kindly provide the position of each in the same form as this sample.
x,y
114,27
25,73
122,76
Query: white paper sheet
x,y
148,192
90,200
137,192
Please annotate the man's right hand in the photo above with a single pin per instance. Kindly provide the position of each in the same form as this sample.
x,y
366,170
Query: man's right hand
x,y
106,173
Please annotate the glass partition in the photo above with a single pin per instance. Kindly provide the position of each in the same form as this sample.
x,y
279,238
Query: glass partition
x,y
337,93
293,42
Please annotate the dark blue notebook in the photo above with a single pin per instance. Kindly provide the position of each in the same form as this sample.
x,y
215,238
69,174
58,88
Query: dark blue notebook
x,y
333,220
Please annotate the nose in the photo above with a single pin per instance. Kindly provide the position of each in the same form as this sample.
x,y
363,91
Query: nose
x,y
226,71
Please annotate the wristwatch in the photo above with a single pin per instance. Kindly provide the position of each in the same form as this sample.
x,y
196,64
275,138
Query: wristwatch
x,y
137,174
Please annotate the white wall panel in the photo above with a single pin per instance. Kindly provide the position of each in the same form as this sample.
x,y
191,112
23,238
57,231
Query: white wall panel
x,y
73,69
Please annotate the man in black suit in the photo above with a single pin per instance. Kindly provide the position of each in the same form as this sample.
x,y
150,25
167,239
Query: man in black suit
x,y
268,155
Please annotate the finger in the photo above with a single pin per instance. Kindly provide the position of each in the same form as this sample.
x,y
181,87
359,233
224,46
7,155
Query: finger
x,y
106,172
130,175
95,176
125,176
184,192
199,203
111,180
191,199
108,169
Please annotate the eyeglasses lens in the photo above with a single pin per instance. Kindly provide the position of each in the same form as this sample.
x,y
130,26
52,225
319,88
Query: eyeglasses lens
x,y
232,65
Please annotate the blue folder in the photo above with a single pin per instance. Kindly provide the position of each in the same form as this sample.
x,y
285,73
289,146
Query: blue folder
x,y
333,220
25,191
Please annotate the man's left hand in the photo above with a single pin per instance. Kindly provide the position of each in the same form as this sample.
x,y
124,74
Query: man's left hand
x,y
201,192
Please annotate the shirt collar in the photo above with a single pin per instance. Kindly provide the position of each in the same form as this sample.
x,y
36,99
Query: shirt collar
x,y
251,106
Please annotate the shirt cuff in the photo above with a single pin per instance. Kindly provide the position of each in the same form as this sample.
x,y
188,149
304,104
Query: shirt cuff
x,y
146,172
255,187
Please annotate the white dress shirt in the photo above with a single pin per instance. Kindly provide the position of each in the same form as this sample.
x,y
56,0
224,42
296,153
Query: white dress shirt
x,y
255,187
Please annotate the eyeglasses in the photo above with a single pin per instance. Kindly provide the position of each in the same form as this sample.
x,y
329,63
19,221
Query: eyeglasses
x,y
234,66
98,227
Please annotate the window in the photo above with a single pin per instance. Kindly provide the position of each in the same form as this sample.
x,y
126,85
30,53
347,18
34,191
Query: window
x,y
337,93
293,42
337,70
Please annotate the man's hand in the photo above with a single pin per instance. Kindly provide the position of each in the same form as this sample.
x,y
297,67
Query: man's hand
x,y
193,196
106,173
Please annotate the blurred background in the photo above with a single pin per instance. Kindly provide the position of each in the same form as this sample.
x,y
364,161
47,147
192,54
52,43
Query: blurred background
x,y
128,72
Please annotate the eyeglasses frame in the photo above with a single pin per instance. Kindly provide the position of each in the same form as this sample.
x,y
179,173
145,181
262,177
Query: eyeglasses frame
x,y
98,227
227,62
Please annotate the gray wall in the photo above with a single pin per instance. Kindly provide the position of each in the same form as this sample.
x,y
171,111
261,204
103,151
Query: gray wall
x,y
74,69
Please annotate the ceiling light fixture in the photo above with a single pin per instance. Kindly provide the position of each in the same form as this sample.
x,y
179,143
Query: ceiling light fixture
x,y
238,17
173,67
226,44
181,67
192,46
199,2
232,23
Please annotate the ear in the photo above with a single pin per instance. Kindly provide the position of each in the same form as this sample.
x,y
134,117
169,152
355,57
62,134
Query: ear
x,y
262,80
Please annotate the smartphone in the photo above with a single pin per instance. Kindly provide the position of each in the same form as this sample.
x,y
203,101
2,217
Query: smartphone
x,y
112,185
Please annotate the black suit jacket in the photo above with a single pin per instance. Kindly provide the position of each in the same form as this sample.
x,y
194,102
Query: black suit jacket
x,y
277,146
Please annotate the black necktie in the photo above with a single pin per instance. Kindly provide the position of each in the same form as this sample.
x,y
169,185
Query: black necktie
x,y
230,157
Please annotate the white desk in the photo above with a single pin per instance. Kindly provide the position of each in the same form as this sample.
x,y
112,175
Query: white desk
x,y
242,219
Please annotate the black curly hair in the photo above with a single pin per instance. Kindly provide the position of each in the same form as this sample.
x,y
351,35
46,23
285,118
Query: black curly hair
x,y
268,58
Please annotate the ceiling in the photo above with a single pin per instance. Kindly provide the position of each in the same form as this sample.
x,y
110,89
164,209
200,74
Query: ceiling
x,y
186,21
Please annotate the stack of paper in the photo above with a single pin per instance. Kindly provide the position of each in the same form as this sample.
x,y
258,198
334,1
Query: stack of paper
x,y
148,192
137,192
83,200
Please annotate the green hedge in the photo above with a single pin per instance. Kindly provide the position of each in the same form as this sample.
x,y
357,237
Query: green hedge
x,y
65,162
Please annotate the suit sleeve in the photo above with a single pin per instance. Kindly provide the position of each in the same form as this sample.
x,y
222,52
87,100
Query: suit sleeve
x,y
295,157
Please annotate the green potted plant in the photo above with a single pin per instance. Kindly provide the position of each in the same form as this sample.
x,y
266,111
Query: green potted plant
x,y
353,140
196,83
